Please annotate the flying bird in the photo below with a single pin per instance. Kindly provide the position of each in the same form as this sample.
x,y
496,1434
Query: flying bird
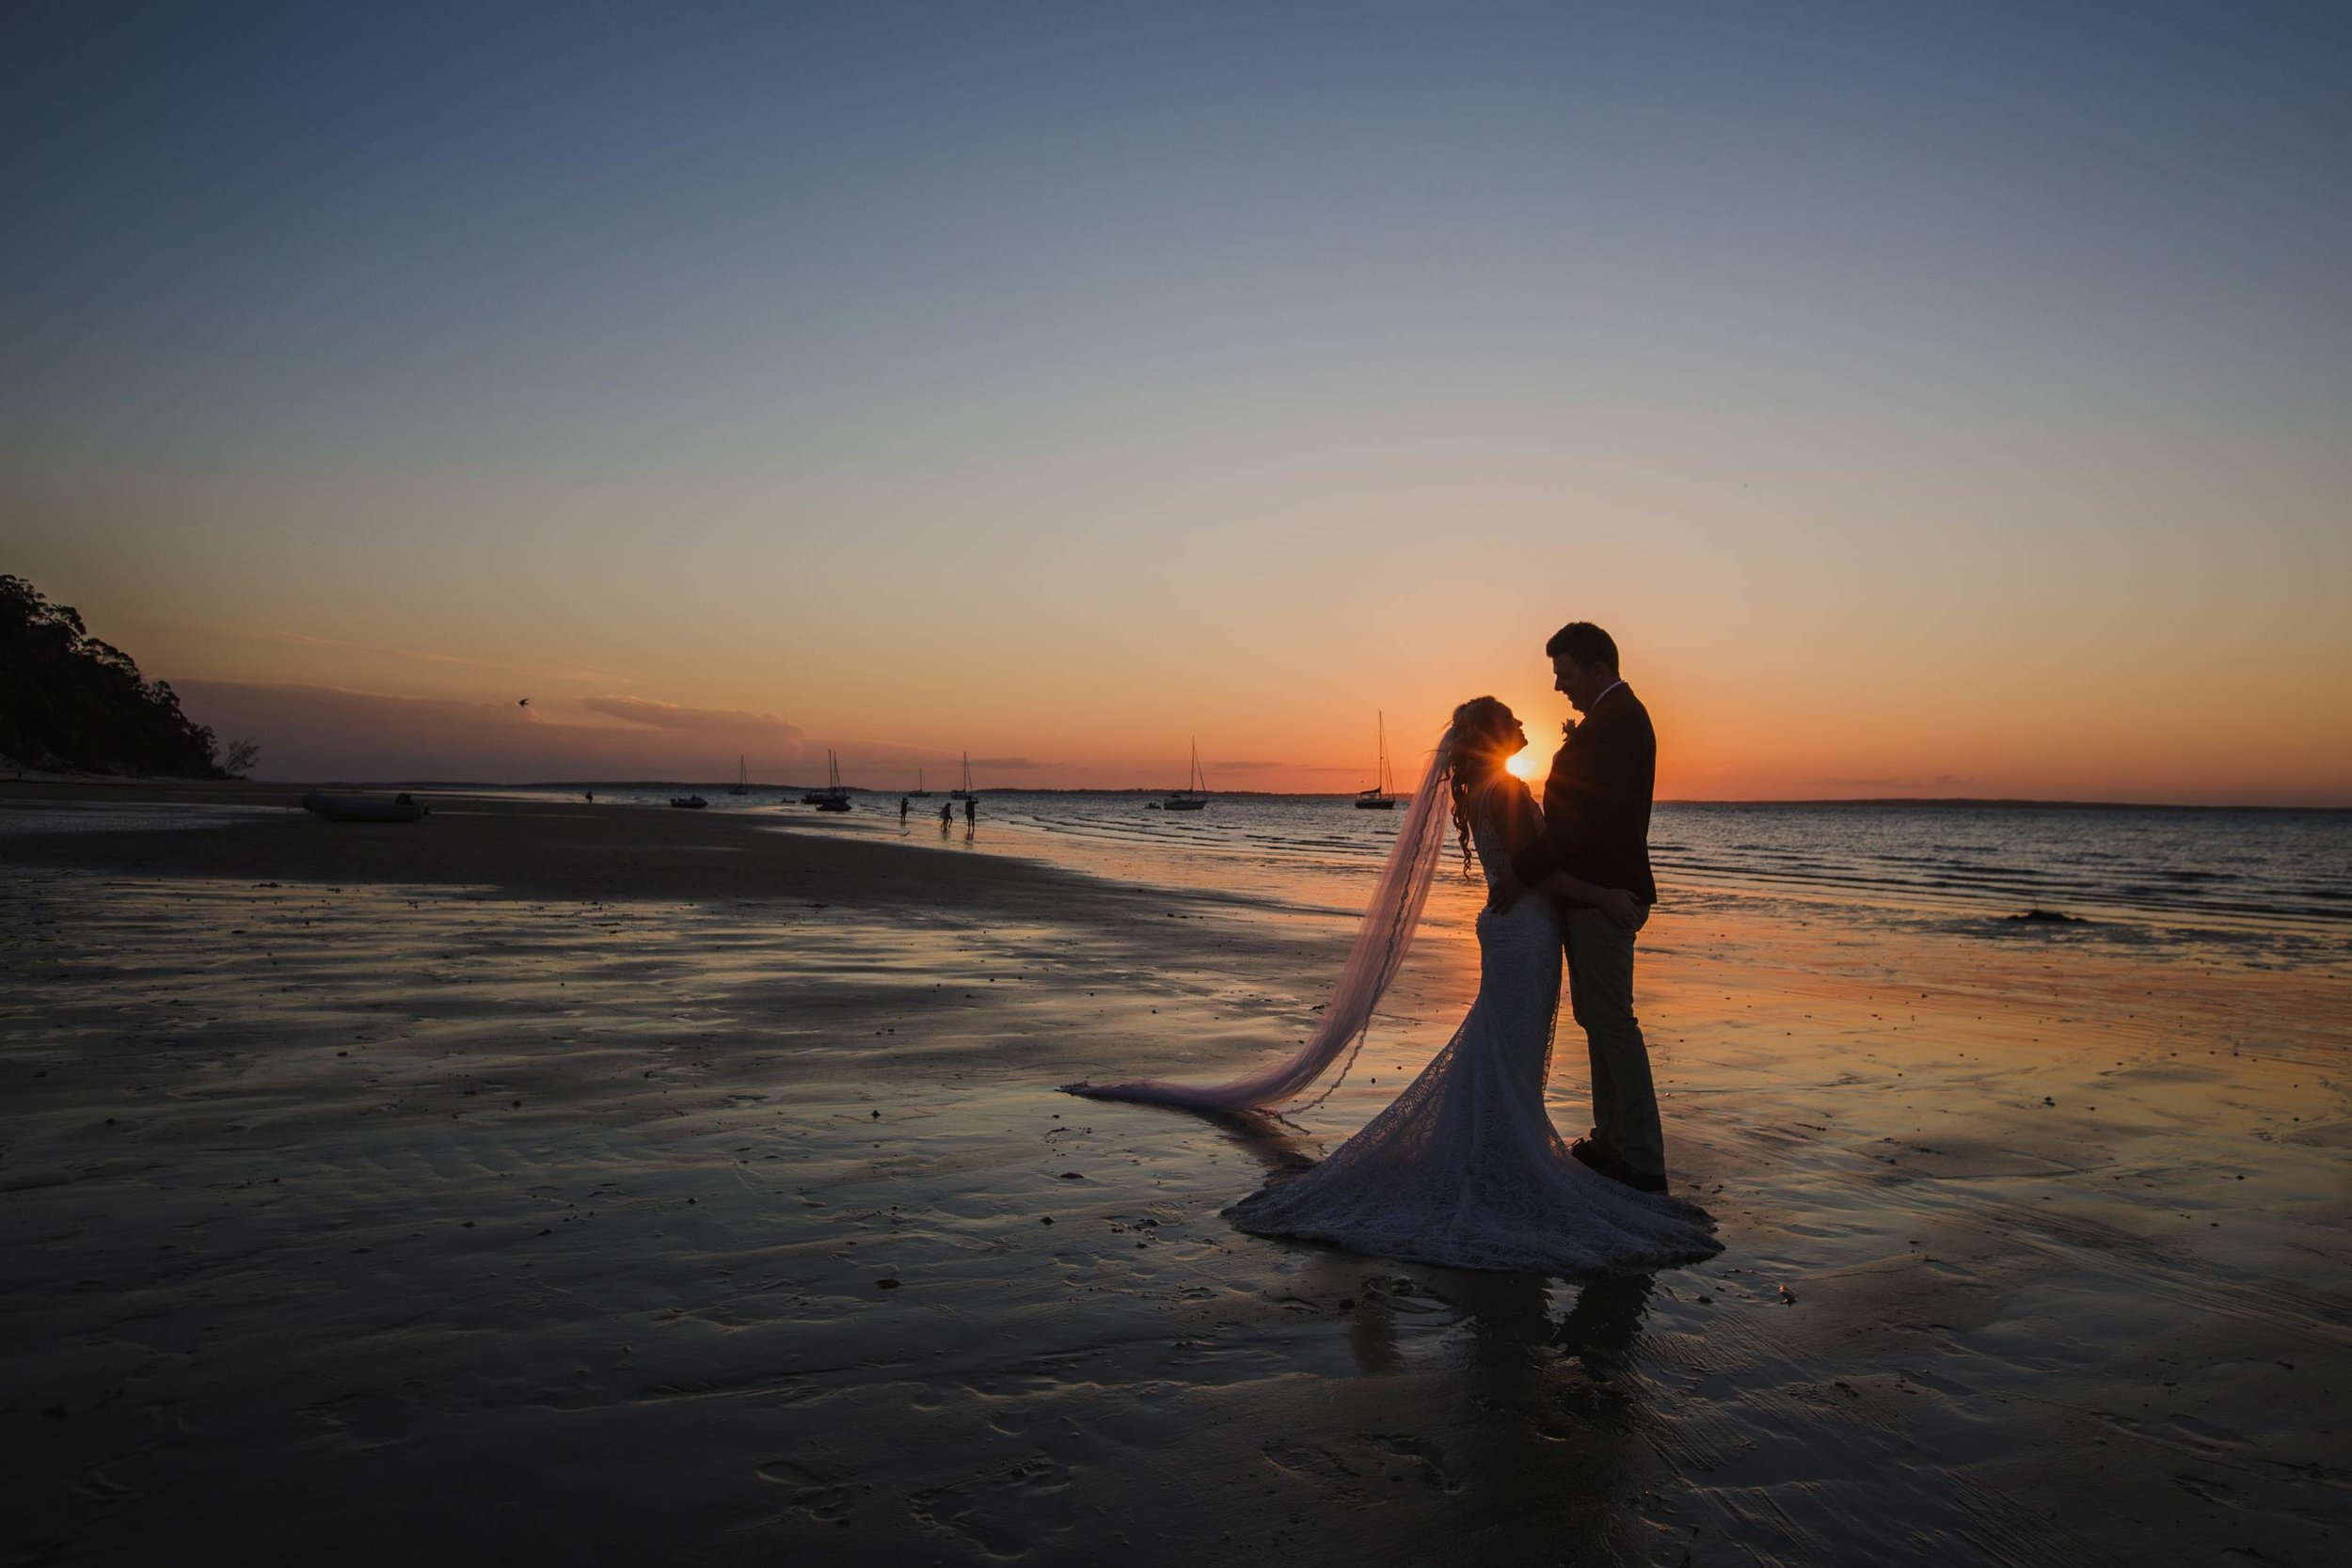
x,y
525,702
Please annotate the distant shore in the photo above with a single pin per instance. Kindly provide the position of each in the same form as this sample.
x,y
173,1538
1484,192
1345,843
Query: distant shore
x,y
1983,803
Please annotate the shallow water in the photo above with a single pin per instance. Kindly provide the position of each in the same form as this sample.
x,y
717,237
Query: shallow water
x,y
2274,886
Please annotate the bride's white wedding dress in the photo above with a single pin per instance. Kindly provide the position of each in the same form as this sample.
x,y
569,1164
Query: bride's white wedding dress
x,y
1465,1168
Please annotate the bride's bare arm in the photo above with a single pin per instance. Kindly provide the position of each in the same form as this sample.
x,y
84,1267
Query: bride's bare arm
x,y
1506,803
1516,814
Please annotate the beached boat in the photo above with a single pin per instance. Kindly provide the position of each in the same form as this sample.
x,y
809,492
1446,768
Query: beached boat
x,y
834,797
689,803
1196,791
1382,795
364,808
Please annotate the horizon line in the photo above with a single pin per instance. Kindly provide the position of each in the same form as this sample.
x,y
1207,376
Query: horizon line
x,y
1970,800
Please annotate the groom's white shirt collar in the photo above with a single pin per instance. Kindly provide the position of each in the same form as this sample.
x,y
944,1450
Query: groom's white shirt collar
x,y
1604,691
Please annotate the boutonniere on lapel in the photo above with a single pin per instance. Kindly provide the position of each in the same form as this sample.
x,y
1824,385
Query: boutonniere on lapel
x,y
1567,731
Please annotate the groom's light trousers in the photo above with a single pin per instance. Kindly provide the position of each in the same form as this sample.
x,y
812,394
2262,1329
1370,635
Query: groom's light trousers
x,y
1600,996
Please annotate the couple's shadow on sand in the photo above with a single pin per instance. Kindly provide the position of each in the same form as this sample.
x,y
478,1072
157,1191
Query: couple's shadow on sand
x,y
1509,1315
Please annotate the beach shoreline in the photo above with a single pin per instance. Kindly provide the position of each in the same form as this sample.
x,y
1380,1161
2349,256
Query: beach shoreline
x,y
530,1179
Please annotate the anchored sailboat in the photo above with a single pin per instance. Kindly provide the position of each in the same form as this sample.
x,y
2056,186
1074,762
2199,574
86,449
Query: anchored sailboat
x,y
1382,795
1195,793
918,792
832,797
742,784
963,792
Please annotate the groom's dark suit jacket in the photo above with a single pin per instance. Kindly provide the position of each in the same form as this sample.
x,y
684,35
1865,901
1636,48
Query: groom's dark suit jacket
x,y
1596,801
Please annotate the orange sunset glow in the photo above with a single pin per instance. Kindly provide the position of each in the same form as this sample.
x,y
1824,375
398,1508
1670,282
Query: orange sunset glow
x,y
1894,472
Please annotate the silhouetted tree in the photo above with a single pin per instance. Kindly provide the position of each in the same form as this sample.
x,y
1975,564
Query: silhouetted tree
x,y
71,701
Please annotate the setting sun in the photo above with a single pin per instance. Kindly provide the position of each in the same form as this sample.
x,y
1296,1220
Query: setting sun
x,y
1528,764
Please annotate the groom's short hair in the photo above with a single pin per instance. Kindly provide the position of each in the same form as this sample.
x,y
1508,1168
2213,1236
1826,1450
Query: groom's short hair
x,y
1584,642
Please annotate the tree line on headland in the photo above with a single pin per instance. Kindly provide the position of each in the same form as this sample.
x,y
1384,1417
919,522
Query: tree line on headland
x,y
76,704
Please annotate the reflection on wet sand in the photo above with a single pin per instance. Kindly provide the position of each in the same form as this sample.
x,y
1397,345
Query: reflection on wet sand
x,y
1545,1403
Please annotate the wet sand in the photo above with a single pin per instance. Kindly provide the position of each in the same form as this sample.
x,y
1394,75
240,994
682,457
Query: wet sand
x,y
644,1186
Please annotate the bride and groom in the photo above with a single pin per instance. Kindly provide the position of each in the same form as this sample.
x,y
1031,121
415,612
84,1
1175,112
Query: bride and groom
x,y
1464,1168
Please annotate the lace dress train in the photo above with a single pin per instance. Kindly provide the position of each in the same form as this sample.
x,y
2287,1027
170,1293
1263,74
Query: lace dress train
x,y
1465,1169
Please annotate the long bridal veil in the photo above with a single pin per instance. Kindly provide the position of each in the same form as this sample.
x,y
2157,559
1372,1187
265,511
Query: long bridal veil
x,y
1390,921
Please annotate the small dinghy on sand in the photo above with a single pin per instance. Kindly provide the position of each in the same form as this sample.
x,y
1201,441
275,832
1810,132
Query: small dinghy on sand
x,y
363,808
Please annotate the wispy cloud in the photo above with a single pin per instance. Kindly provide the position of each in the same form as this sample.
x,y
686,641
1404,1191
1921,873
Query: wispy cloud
x,y
676,719
326,732
1940,780
529,672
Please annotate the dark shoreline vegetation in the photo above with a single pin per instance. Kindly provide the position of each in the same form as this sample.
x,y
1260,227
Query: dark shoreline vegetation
x,y
73,703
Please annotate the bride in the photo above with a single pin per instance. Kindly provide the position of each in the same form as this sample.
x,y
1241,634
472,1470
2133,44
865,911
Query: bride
x,y
1464,1169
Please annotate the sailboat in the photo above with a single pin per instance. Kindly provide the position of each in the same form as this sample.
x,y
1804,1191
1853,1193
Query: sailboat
x,y
918,792
832,797
1379,796
964,791
742,777
1195,793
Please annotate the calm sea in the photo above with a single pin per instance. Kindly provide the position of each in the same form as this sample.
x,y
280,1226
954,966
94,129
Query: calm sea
x,y
2280,874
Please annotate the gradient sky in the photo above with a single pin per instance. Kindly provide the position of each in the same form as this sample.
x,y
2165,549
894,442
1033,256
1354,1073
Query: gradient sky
x,y
1932,399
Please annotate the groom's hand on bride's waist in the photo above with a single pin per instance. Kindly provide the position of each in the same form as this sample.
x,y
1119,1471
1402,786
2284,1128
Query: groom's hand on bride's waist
x,y
1504,892
1623,908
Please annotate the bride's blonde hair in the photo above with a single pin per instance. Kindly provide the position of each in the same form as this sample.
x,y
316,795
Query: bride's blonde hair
x,y
1472,755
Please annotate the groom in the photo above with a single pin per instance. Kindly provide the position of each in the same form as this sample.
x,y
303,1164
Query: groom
x,y
1596,830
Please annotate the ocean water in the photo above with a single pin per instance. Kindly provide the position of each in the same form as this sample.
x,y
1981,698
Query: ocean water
x,y
2278,880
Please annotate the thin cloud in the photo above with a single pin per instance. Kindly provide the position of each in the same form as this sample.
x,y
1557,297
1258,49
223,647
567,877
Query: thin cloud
x,y
536,672
675,719
323,731
1941,781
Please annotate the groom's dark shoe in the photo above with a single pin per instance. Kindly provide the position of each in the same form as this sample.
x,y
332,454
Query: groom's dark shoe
x,y
1604,1160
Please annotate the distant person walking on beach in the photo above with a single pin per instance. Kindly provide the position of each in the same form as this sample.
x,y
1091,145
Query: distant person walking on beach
x,y
971,810
946,814
903,808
